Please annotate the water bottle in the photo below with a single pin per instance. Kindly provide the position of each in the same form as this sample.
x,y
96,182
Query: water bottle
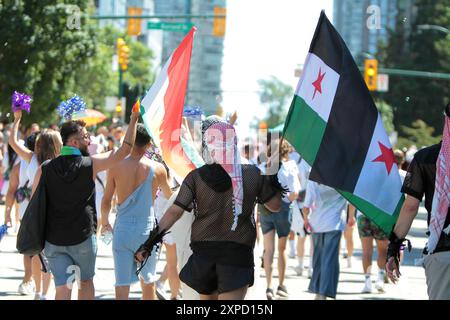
x,y
107,237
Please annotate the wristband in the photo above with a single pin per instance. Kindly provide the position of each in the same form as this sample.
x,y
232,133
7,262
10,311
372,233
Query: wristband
x,y
395,246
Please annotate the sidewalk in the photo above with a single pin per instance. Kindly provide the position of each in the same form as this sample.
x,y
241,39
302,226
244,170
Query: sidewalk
x,y
412,285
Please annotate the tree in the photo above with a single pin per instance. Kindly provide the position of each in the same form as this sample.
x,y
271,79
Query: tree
x,y
43,51
413,49
275,94
420,134
387,115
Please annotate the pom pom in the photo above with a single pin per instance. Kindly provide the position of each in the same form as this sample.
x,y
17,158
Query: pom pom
x,y
192,112
3,231
20,101
73,105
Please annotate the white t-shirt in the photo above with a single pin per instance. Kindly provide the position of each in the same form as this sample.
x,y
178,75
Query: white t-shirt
x,y
288,177
32,168
99,192
23,179
327,208
402,175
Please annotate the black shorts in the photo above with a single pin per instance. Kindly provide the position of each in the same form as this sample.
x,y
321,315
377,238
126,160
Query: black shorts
x,y
206,276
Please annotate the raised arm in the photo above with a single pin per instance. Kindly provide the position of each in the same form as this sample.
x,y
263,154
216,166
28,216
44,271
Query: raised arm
x,y
104,161
106,202
23,152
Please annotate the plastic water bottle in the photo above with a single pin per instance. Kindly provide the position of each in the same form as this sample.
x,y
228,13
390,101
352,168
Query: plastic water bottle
x,y
107,237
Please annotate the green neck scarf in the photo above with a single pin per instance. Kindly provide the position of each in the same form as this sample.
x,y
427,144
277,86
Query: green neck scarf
x,y
70,151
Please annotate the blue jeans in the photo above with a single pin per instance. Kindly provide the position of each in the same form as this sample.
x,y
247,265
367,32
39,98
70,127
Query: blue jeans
x,y
325,275
69,263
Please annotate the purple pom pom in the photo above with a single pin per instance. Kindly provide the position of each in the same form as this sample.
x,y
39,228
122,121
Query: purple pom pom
x,y
20,101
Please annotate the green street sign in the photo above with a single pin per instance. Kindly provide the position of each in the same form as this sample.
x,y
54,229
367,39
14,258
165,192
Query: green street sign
x,y
170,26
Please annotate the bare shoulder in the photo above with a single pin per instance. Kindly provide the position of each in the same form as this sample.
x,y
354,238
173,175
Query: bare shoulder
x,y
160,170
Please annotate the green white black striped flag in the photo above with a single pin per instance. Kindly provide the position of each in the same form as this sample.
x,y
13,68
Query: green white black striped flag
x,y
334,124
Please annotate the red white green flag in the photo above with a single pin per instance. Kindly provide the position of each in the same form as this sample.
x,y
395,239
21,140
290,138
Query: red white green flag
x,y
162,108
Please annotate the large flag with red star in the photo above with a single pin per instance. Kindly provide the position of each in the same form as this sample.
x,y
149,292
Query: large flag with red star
x,y
334,124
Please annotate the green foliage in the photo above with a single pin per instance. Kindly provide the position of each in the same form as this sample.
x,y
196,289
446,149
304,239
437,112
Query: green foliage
x,y
419,134
40,54
413,49
43,55
387,115
275,95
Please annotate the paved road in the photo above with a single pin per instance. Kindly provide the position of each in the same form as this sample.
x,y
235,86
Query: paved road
x,y
351,281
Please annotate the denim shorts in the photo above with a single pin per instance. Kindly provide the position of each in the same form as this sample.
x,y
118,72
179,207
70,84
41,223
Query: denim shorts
x,y
280,221
72,263
128,237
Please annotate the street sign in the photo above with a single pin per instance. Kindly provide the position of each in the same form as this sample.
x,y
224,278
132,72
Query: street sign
x,y
383,83
170,26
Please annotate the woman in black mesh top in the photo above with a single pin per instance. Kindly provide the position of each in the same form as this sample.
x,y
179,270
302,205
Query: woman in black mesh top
x,y
223,194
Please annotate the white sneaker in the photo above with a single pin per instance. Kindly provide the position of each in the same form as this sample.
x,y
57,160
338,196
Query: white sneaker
x,y
367,286
26,288
310,271
37,296
160,291
299,270
379,285
349,262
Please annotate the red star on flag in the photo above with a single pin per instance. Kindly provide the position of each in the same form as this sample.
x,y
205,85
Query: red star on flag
x,y
318,83
386,156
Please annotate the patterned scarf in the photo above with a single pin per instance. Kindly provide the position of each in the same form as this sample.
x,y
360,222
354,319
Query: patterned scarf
x,y
220,147
441,198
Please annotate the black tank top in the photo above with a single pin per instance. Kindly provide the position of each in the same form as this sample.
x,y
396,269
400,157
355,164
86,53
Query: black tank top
x,y
70,189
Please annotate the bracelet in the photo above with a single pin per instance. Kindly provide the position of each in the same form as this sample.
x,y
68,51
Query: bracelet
x,y
126,142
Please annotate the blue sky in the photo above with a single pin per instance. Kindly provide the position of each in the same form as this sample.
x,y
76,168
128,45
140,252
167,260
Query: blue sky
x,y
264,38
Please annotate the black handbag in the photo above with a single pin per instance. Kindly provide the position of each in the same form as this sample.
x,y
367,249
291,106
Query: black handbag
x,y
31,235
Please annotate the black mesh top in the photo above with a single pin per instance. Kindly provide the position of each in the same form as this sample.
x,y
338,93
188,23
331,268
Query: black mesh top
x,y
421,175
214,209
420,180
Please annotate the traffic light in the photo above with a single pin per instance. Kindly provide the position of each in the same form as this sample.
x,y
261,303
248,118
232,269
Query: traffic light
x,y
119,108
134,25
219,23
123,51
371,73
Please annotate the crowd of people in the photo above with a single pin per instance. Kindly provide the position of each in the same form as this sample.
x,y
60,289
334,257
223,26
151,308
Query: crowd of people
x,y
208,222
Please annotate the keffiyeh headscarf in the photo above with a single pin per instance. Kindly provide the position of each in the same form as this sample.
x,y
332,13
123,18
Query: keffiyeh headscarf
x,y
441,198
219,144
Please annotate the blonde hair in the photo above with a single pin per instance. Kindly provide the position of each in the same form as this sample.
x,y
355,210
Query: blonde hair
x,y
285,148
48,145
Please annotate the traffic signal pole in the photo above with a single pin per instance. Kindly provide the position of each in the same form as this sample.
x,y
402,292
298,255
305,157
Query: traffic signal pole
x,y
120,83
